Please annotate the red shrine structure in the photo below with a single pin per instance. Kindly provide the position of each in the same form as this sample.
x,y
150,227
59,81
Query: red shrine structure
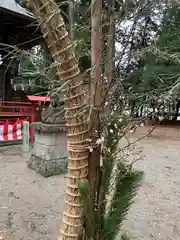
x,y
18,30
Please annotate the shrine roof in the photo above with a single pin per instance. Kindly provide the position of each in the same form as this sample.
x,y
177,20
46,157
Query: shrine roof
x,y
13,7
38,98
20,26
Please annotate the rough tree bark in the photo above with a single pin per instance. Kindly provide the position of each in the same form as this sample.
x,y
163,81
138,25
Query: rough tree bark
x,y
96,96
62,51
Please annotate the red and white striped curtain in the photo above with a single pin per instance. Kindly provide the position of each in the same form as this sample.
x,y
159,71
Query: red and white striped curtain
x,y
11,130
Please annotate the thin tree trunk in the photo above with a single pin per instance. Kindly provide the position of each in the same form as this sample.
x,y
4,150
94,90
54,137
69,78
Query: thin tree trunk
x,y
71,18
94,172
110,43
109,49
61,48
96,90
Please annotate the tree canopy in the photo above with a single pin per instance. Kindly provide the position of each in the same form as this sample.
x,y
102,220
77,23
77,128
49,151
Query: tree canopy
x,y
162,68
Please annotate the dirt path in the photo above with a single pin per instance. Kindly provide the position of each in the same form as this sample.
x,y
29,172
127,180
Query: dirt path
x,y
31,206
156,211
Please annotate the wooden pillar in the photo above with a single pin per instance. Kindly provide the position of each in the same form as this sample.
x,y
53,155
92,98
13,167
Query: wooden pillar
x,y
33,119
6,78
2,80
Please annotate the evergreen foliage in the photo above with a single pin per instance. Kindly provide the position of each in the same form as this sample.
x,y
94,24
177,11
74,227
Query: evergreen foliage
x,y
162,69
106,221
35,69
126,185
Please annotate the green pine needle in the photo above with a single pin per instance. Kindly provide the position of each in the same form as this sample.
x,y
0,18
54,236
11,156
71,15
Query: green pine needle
x,y
109,158
85,191
108,164
126,187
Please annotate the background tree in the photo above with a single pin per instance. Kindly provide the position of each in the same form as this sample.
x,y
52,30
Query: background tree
x,y
159,78
161,70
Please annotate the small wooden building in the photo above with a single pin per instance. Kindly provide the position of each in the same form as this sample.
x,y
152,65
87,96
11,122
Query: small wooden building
x,y
18,29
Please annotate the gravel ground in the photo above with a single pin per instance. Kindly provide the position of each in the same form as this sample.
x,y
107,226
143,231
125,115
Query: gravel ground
x,y
156,211
30,205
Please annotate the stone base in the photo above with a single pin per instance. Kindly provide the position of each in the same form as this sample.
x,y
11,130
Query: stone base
x,y
48,168
49,153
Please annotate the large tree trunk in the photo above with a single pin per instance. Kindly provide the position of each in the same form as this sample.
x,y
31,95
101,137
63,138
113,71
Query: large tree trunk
x,y
61,48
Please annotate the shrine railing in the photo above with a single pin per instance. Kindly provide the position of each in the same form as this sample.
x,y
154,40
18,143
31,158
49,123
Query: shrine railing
x,y
10,109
